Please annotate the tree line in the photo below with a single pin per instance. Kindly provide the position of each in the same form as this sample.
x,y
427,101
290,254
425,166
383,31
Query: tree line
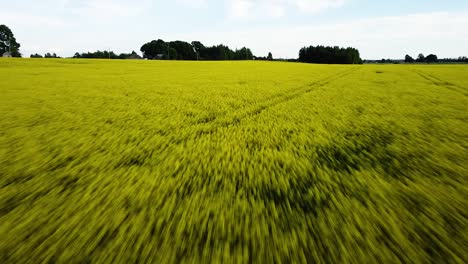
x,y
329,55
92,55
181,50
432,58
47,55
105,55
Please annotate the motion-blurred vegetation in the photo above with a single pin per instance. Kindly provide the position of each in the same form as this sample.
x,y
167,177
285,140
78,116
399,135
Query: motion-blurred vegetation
x,y
158,161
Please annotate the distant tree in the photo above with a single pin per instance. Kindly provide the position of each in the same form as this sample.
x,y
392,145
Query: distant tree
x,y
329,55
155,48
48,55
420,58
409,59
124,56
241,54
199,48
8,42
173,54
431,58
105,55
36,56
181,50
270,56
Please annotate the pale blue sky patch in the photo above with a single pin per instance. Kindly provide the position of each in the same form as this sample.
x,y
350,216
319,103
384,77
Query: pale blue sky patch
x,y
379,29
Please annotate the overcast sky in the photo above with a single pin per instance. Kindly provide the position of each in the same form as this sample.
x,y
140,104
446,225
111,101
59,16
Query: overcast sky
x,y
379,29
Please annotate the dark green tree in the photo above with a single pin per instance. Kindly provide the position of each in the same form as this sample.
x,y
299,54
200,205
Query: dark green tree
x,y
421,58
97,55
270,56
242,54
329,55
181,50
173,54
48,55
184,50
8,42
199,48
154,49
409,59
431,58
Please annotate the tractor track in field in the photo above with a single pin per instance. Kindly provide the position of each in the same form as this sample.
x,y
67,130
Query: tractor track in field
x,y
279,98
442,83
217,122
213,124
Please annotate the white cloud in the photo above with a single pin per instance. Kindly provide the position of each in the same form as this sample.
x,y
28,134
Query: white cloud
x,y
275,10
193,3
110,11
318,5
23,19
240,8
251,9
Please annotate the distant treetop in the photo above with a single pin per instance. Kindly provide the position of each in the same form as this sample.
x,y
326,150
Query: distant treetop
x,y
329,55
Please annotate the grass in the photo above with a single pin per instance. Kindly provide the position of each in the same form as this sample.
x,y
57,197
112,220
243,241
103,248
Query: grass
x,y
173,162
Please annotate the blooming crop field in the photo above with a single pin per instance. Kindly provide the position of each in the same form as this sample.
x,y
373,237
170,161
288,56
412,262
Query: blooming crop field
x,y
170,162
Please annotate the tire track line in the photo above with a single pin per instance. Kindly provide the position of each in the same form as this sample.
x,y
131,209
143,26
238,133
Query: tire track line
x,y
280,97
259,108
442,83
237,118
226,121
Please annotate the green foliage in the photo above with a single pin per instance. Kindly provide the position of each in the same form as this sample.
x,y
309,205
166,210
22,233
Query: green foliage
x,y
421,58
408,59
105,55
431,58
251,162
51,56
8,42
36,55
329,55
180,50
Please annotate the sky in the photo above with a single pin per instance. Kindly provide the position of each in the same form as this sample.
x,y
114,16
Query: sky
x,y
379,29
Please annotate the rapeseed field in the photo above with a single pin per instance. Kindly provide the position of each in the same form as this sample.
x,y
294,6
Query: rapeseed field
x,y
232,162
